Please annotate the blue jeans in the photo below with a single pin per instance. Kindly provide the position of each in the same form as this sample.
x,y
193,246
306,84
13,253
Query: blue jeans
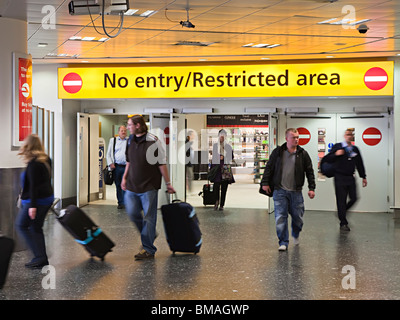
x,y
32,231
118,174
288,202
135,203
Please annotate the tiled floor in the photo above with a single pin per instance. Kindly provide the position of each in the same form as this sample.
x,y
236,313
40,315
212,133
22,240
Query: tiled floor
x,y
239,259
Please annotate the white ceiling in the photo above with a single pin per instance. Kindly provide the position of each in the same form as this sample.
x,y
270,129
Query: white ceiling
x,y
227,24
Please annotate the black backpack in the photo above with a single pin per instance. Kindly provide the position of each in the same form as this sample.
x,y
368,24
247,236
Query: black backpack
x,y
327,168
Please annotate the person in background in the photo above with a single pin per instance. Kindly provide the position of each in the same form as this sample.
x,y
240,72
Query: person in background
x,y
145,166
347,158
222,156
189,161
36,199
285,171
117,162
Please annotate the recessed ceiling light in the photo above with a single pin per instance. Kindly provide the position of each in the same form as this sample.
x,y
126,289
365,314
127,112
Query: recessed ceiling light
x,y
261,45
88,38
142,60
131,12
265,58
42,45
84,61
94,39
202,59
340,21
330,56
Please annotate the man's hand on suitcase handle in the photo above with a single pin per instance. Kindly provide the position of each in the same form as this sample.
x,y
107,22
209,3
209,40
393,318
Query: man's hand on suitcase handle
x,y
170,189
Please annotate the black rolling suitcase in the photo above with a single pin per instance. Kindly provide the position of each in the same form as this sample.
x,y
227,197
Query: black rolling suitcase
x,y
6,250
85,231
208,194
181,227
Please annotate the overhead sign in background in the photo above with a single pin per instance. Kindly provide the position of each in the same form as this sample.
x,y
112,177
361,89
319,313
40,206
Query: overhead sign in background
x,y
277,80
235,120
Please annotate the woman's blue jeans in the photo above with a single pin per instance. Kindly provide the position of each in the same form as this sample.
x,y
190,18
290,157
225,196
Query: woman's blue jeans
x,y
135,203
288,202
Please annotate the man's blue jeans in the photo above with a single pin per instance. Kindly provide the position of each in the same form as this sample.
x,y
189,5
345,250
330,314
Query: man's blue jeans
x,y
118,174
288,202
135,203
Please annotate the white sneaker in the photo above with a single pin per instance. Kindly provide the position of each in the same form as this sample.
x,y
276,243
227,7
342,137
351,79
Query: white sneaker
x,y
282,248
296,241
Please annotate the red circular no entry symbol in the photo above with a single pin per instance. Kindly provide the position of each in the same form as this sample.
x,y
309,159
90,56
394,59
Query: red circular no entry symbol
x,y
166,134
72,82
304,136
376,78
372,136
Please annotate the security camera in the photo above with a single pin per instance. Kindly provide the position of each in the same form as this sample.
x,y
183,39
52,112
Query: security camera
x,y
362,28
187,24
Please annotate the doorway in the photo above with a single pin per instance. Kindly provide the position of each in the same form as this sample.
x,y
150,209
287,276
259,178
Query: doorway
x,y
317,136
170,128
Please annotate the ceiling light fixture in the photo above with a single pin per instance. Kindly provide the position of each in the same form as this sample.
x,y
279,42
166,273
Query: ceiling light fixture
x,y
148,13
340,21
261,45
42,45
131,12
93,39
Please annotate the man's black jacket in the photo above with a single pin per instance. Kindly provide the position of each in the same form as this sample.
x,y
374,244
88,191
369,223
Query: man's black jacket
x,y
303,167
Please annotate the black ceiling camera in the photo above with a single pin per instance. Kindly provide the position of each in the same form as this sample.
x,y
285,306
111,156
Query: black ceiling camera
x,y
362,28
187,24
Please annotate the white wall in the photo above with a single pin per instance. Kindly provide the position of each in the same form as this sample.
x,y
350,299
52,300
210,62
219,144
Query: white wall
x,y
396,138
45,95
12,40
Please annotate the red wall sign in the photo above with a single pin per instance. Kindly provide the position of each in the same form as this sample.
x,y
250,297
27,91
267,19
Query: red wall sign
x,y
372,136
25,97
376,78
72,82
304,136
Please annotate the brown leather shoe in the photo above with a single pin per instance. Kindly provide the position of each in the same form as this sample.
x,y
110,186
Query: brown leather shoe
x,y
143,254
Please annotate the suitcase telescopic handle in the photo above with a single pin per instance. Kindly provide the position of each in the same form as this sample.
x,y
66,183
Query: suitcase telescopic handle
x,y
173,200
53,207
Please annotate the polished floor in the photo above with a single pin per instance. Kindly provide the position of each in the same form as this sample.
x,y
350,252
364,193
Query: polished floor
x,y
239,260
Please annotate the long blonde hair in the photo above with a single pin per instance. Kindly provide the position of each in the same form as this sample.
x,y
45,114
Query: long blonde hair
x,y
32,148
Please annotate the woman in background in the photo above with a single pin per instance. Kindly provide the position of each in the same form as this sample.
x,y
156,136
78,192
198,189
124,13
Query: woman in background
x,y
222,156
36,199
